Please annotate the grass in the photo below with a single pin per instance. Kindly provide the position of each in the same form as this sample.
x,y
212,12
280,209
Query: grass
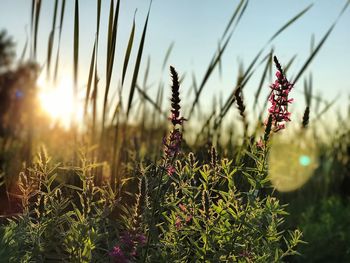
x,y
144,191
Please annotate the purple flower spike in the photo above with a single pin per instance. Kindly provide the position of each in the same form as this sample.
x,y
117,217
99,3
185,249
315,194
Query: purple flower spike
x,y
118,255
279,99
172,144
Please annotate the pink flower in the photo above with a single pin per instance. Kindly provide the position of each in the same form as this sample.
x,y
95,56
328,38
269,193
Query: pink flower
x,y
141,239
279,100
178,223
118,255
183,208
189,218
170,170
260,144
127,240
172,143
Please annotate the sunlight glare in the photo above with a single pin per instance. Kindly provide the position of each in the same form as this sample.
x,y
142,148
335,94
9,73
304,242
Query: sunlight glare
x,y
58,101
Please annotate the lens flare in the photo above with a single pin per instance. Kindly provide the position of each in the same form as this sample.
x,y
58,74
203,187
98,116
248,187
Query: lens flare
x,y
291,162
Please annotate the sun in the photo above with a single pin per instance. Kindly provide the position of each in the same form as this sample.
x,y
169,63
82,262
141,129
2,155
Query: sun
x,y
58,101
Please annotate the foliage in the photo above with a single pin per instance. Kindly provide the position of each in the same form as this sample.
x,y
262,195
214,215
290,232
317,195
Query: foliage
x,y
205,217
325,226
60,222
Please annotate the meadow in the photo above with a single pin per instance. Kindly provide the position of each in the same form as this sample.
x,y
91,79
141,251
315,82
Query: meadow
x,y
144,178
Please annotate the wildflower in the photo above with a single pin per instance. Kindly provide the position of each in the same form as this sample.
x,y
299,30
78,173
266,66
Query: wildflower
x,y
183,208
141,239
188,218
260,144
178,223
127,240
175,99
279,99
128,246
118,255
170,170
173,142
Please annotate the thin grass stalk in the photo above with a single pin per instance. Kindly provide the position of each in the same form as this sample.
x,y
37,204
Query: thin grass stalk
x,y
137,63
51,39
128,50
217,56
94,104
112,41
90,78
262,79
167,55
24,51
249,72
233,17
76,53
36,7
59,41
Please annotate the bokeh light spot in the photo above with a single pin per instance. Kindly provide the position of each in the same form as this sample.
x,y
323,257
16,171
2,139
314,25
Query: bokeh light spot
x,y
304,160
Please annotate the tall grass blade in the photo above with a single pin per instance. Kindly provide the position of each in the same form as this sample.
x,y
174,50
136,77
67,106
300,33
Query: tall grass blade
x,y
167,55
145,78
110,31
217,57
137,64
32,13
208,73
313,54
98,18
128,50
249,72
262,79
232,19
289,64
51,39
326,108
290,22
148,98
110,61
36,24
76,46
63,5
94,103
24,51
320,44
91,71
312,43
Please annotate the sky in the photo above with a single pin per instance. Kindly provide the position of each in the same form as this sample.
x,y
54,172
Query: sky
x,y
195,26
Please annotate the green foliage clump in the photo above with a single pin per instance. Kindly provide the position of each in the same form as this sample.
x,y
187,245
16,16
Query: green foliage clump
x,y
60,222
201,214
326,228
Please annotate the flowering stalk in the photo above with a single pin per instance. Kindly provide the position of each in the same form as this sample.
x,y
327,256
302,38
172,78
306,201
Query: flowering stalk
x,y
172,144
279,99
126,251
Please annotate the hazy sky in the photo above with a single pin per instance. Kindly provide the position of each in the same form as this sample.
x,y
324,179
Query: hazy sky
x,y
196,26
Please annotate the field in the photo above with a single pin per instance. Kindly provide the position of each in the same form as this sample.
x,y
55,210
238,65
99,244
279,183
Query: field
x,y
120,170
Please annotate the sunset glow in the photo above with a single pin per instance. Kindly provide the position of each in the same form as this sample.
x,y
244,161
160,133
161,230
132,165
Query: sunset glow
x,y
58,101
